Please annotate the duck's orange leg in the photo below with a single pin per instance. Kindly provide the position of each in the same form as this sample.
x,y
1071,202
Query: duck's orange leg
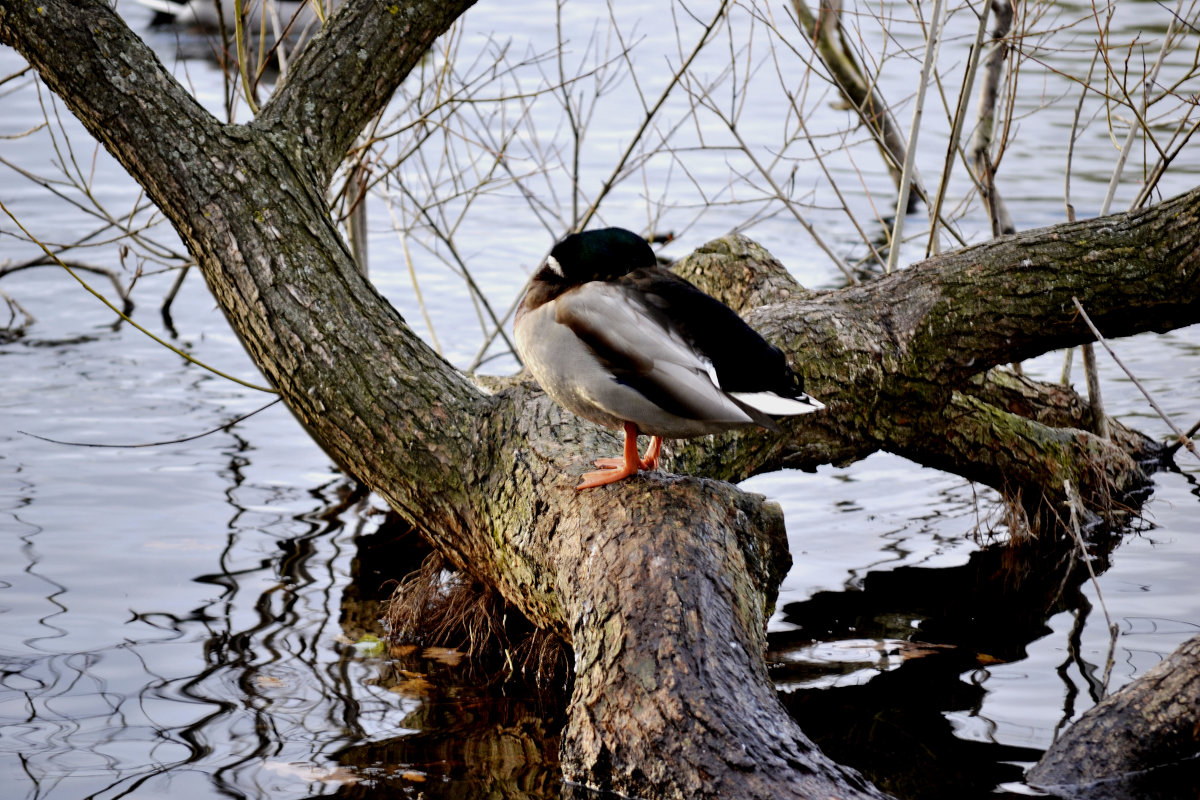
x,y
617,469
652,453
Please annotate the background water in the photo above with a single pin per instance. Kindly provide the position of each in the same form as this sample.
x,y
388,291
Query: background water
x,y
189,618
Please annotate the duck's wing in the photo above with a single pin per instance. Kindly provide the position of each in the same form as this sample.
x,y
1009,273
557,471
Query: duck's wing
x,y
746,365
634,342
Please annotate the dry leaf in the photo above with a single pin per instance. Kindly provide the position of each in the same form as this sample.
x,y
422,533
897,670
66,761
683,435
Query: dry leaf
x,y
445,655
412,687
311,772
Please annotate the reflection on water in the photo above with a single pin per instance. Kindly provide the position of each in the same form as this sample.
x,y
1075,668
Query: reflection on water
x,y
269,683
914,722
948,682
265,689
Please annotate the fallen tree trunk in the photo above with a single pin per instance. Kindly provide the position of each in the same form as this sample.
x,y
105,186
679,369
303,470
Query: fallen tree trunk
x,y
1141,742
906,363
662,584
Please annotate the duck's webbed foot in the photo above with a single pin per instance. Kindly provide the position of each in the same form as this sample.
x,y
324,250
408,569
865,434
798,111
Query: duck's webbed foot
x,y
612,470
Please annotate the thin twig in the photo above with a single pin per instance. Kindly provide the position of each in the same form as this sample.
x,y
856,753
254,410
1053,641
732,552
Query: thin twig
x,y
619,168
412,274
1083,93
845,205
932,43
1147,82
960,113
828,38
779,193
125,317
476,293
224,427
1184,439
1161,165
240,34
569,109
1090,373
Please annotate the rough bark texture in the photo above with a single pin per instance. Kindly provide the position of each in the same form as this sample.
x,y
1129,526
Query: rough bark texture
x,y
1141,742
668,627
661,584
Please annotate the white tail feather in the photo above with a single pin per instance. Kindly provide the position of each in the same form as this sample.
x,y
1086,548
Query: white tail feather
x,y
778,405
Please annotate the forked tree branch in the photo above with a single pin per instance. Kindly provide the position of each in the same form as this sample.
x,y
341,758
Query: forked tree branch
x,y
349,72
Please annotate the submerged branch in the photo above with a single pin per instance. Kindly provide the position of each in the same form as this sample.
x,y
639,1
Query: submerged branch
x,y
1138,742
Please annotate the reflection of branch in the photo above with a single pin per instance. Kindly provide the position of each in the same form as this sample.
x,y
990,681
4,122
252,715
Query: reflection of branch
x,y
1077,512
169,299
124,315
74,187
53,261
13,309
122,226
1133,741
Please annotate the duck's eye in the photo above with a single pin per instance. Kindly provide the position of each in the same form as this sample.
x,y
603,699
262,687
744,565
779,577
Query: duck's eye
x,y
555,267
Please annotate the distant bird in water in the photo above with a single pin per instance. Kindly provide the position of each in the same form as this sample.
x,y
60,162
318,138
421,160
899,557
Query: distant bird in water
x,y
279,15
621,341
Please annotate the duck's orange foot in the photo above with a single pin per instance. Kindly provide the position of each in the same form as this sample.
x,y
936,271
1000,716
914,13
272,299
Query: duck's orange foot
x,y
618,469
652,454
610,463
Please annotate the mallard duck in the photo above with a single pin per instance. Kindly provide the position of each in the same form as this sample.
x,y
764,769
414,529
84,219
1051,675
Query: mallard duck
x,y
619,340
290,15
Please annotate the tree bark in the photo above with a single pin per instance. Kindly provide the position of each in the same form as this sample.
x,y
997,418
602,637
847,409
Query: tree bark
x,y
661,584
1141,742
